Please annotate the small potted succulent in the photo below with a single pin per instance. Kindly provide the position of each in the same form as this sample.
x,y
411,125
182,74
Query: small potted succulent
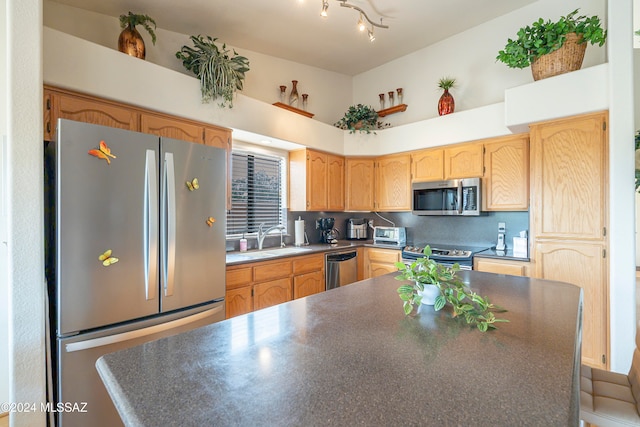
x,y
540,39
446,103
361,118
425,272
130,41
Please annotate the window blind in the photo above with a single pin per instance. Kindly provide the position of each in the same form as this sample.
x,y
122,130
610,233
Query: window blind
x,y
256,193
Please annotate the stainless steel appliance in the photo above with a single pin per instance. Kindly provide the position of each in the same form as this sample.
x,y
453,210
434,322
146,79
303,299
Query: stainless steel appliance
x,y
444,254
453,197
357,229
341,268
390,236
135,250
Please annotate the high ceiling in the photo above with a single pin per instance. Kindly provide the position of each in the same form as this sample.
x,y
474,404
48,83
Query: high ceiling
x,y
294,30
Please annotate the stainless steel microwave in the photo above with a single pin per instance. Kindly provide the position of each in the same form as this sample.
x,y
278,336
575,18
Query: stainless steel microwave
x,y
453,197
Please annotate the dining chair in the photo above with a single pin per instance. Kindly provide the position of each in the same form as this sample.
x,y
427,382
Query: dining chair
x,y
610,399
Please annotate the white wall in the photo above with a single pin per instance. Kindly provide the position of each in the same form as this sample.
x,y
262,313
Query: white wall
x,y
4,275
329,92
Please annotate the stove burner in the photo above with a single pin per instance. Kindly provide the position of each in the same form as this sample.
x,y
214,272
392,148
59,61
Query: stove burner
x,y
417,251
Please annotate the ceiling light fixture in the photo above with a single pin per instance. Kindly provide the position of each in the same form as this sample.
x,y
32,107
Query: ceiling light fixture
x,y
361,24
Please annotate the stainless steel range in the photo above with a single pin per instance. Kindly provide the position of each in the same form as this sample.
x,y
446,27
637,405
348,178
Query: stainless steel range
x,y
443,254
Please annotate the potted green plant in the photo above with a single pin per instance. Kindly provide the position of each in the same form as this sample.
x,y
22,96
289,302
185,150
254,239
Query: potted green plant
x,y
130,41
425,272
220,73
361,118
540,39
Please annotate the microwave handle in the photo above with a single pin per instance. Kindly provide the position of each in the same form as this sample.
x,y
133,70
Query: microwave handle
x,y
460,201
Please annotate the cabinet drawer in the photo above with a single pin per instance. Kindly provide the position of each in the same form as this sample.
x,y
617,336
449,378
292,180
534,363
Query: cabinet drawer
x,y
514,268
271,271
308,263
383,255
238,277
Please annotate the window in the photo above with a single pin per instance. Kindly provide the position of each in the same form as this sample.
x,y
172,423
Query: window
x,y
256,192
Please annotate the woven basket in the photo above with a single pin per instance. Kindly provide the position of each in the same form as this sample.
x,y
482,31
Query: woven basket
x,y
568,58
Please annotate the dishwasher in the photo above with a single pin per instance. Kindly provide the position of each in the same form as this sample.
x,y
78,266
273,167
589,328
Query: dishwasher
x,y
341,268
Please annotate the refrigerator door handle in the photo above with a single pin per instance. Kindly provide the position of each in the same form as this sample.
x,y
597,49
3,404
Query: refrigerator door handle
x,y
151,225
138,333
170,226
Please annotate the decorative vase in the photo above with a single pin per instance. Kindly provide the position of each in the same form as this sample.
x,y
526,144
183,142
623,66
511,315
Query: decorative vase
x,y
130,42
305,100
381,96
446,104
293,96
283,89
391,99
429,294
400,95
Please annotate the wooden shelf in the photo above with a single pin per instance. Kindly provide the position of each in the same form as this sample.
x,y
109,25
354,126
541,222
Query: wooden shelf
x,y
392,110
294,109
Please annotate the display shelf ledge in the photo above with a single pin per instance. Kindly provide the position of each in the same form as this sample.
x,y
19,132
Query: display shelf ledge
x,y
392,110
293,109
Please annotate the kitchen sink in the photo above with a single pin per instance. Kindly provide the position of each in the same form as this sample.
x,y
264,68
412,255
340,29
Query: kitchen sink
x,y
265,253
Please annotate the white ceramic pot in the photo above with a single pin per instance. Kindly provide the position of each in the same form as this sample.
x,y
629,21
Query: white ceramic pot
x,y
429,294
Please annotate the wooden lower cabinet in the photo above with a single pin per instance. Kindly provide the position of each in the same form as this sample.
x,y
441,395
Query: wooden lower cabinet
x,y
239,301
500,266
271,293
308,284
378,261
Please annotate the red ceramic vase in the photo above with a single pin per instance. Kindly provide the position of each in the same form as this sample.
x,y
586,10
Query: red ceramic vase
x,y
446,104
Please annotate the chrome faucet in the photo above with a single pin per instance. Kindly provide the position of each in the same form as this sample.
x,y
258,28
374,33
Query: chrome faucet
x,y
263,234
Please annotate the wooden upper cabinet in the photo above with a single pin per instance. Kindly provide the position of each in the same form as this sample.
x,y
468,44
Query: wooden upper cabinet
x,y
335,182
569,170
87,109
463,161
393,183
359,184
427,165
316,182
221,138
172,128
505,186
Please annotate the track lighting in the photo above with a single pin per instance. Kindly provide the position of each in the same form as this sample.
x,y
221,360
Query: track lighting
x,y
362,26
325,7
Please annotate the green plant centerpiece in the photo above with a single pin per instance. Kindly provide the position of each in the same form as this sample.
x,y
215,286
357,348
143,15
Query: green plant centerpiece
x,y
220,73
361,118
475,309
543,37
130,41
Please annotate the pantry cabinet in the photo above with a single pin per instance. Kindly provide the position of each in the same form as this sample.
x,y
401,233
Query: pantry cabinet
x,y
505,185
569,174
393,183
463,161
316,181
359,184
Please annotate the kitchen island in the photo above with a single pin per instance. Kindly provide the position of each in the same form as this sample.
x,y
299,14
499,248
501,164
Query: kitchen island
x,y
350,356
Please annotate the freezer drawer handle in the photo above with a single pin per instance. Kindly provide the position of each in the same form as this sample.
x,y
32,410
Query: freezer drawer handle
x,y
131,335
170,225
151,226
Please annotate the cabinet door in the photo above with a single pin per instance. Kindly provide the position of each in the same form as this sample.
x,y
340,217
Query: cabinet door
x,y
378,269
172,128
380,261
506,182
271,293
221,138
427,165
88,110
317,170
513,268
335,179
583,265
238,301
308,284
463,161
569,173
393,183
359,184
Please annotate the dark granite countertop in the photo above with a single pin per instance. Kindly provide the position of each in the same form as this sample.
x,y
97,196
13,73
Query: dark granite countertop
x,y
349,356
492,253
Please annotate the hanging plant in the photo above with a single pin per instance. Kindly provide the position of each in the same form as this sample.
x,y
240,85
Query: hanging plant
x,y
361,118
220,73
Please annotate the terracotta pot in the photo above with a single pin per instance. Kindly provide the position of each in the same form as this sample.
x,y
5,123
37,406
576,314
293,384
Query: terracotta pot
x,y
131,43
446,104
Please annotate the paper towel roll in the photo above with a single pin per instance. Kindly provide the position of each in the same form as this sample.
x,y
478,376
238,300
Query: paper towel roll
x,y
299,232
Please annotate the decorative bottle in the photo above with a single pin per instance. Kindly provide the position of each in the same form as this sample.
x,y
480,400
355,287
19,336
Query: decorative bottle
x,y
391,104
305,99
293,96
283,89
400,95
381,96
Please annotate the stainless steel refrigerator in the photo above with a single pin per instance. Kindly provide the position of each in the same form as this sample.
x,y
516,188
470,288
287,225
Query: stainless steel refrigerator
x,y
135,229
